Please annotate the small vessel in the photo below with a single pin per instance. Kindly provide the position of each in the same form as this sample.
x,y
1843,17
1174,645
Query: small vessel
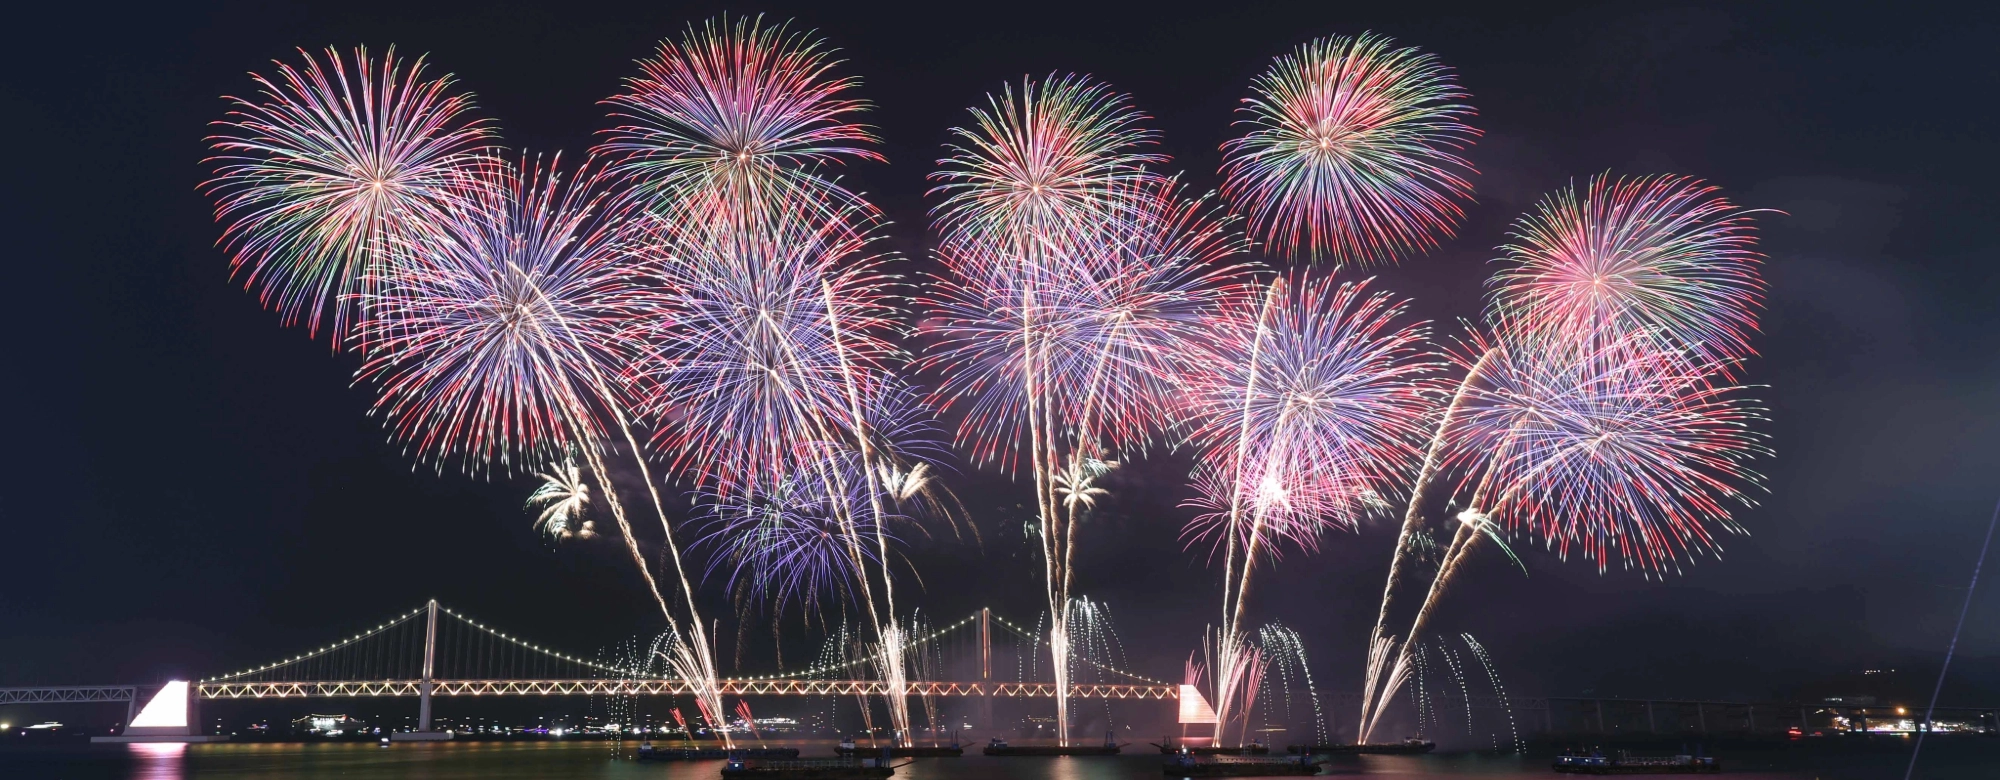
x,y
1409,746
740,768
1185,764
1626,764
953,750
1172,747
647,752
999,747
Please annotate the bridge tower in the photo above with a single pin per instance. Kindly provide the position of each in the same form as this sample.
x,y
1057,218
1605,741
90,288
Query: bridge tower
x,y
986,668
424,686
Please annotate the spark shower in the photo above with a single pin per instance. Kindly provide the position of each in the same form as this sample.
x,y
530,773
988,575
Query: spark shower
x,y
700,300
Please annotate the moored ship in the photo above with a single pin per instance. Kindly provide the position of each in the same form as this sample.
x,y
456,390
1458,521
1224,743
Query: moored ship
x,y
648,752
1187,765
848,748
1626,764
740,768
1409,746
999,747
1172,746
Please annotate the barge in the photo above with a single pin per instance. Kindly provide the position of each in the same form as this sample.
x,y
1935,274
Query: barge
x,y
1410,746
807,769
1186,765
999,747
1173,747
648,752
1625,764
848,748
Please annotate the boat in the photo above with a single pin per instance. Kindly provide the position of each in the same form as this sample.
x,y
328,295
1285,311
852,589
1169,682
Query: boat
x,y
1409,746
1187,765
1627,764
647,752
740,768
1172,747
999,747
848,748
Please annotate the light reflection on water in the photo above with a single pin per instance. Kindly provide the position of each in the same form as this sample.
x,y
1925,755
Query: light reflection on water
x,y
157,760
1959,760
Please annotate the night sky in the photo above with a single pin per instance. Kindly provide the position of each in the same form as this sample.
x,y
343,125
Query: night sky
x,y
191,488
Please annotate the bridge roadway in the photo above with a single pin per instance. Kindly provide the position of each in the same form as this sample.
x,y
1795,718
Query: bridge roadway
x,y
667,687
581,687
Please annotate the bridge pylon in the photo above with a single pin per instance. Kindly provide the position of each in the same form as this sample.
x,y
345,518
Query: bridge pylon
x,y
426,684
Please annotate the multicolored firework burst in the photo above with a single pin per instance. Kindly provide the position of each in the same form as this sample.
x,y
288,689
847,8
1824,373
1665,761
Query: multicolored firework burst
x,y
757,334
745,115
1628,452
1108,313
1659,254
1058,156
1307,403
492,332
1599,411
320,174
496,333
792,541
1046,201
1353,152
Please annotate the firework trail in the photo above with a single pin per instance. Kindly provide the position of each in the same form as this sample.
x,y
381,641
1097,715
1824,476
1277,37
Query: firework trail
x,y
1618,323
1499,690
1287,653
1621,451
1659,254
493,335
772,338
770,346
1353,152
316,176
1308,402
1069,267
745,115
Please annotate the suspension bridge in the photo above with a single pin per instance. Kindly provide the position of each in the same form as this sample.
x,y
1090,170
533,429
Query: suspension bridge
x,y
434,650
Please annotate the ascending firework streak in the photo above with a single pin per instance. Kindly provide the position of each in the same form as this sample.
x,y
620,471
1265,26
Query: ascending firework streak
x,y
771,333
1353,153
1071,275
314,178
1307,403
1600,412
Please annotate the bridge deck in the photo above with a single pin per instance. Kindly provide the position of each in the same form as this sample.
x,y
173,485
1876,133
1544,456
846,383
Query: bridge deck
x,y
663,687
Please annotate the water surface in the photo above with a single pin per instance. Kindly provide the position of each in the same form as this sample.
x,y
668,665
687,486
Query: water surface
x,y
1962,759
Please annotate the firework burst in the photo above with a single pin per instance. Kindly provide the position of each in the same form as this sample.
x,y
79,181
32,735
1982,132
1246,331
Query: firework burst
x,y
562,498
316,177
1314,395
1057,156
1108,313
1663,254
490,334
1627,453
1353,152
757,336
742,114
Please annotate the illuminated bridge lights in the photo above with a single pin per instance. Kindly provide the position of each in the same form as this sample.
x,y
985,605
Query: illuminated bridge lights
x,y
668,687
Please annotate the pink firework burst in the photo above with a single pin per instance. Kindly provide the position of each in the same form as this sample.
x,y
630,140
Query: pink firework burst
x,y
1353,152
315,177
1665,255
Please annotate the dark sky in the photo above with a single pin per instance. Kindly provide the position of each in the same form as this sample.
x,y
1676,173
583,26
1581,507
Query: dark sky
x,y
192,488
